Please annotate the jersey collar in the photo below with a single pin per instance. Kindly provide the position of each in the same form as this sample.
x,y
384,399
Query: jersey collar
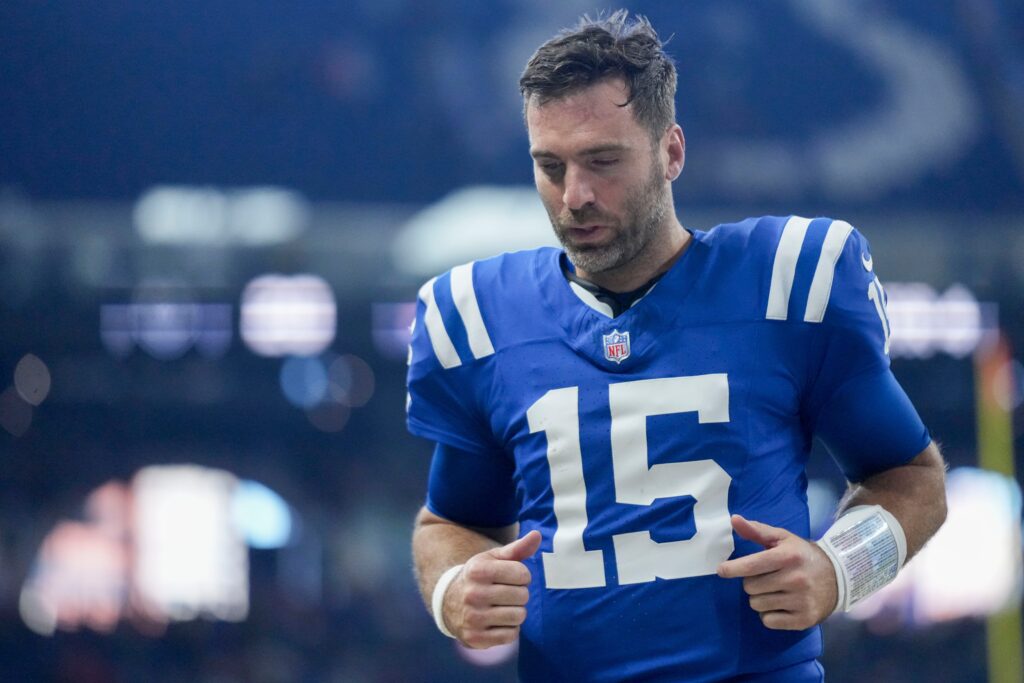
x,y
585,319
600,299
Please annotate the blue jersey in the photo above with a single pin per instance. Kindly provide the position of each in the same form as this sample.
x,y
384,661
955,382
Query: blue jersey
x,y
630,440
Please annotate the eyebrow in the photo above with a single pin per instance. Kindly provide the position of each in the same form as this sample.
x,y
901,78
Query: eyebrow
x,y
589,151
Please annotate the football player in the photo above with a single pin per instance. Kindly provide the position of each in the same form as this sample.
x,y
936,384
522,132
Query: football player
x,y
622,425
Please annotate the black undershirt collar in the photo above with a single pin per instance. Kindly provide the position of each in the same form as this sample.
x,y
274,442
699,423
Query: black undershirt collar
x,y
619,302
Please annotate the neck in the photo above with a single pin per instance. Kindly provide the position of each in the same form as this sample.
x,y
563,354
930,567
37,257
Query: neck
x,y
654,259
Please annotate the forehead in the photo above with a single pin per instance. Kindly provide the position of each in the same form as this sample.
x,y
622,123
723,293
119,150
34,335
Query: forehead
x,y
588,117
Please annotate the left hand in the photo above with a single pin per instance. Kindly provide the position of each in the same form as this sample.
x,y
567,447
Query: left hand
x,y
791,583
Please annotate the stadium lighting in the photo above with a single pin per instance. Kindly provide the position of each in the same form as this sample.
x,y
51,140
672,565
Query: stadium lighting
x,y
288,315
190,560
84,582
471,223
32,379
351,381
304,381
925,322
208,216
166,330
172,546
80,575
391,328
261,515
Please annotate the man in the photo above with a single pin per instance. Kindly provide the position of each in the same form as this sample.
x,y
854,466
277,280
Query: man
x,y
640,406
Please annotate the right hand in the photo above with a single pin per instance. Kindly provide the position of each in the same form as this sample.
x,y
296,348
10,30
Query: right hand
x,y
486,603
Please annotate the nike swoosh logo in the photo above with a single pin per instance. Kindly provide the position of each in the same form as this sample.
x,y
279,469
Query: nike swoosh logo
x,y
867,261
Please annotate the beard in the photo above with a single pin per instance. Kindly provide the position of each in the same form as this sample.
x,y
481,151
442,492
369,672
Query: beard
x,y
644,211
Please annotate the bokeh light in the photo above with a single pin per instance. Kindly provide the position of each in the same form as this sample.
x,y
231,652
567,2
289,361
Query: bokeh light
x,y
391,328
32,379
261,515
168,547
165,330
189,558
117,329
210,216
164,324
351,381
288,315
304,381
329,416
925,322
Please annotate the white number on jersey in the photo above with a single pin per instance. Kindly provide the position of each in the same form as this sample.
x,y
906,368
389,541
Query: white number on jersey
x,y
638,557
877,296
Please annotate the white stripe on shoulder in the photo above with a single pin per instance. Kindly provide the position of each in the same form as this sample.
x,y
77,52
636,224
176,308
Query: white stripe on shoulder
x,y
821,285
784,267
590,300
469,310
445,351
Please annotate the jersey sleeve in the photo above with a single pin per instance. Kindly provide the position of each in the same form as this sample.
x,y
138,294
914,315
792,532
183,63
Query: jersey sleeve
x,y
442,404
870,425
472,488
856,406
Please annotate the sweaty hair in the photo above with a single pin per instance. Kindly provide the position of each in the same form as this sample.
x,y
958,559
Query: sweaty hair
x,y
602,48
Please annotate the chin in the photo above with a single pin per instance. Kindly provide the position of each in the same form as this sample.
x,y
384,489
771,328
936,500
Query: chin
x,y
594,261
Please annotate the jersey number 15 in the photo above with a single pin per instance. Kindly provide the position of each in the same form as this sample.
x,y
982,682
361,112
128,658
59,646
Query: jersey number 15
x,y
638,557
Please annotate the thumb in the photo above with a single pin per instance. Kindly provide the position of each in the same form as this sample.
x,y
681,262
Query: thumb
x,y
758,532
520,549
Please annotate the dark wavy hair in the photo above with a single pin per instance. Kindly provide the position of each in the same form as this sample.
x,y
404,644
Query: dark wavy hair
x,y
602,48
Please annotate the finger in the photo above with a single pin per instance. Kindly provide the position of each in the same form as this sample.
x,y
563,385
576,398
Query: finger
x,y
772,582
771,602
784,621
491,617
757,564
508,596
483,570
496,595
520,549
496,635
511,573
506,616
758,532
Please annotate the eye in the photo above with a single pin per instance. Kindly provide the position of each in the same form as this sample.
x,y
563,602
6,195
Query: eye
x,y
550,167
605,162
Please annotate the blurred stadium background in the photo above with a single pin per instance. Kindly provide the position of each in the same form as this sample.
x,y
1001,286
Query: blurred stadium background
x,y
213,221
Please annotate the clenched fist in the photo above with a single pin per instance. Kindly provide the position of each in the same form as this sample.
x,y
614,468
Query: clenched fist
x,y
486,603
791,584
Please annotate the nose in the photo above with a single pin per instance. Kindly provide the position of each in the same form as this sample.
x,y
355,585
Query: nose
x,y
579,191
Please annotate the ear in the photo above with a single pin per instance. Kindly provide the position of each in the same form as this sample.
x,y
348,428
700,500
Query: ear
x,y
674,151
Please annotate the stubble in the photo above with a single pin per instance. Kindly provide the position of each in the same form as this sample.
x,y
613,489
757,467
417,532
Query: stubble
x,y
644,213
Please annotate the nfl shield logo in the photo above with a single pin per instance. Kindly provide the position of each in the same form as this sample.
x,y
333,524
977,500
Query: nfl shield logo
x,y
616,346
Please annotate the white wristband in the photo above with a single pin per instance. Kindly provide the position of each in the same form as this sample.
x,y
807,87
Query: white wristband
x,y
867,548
437,600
